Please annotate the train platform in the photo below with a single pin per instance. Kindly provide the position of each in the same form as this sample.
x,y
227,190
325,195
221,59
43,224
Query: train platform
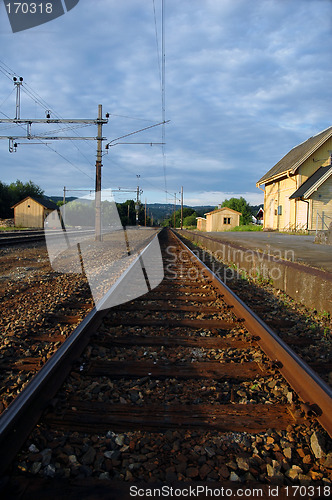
x,y
292,263
298,248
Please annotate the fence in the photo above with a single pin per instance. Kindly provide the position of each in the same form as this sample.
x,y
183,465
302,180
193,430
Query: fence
x,y
322,221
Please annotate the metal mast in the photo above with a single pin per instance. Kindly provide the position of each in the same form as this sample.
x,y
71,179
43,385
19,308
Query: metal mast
x,y
28,122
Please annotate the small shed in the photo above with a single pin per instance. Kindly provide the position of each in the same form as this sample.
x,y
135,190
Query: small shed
x,y
201,223
222,219
31,212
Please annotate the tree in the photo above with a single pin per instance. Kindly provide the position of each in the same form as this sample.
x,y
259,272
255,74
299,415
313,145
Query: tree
x,y
19,190
187,212
15,192
240,205
190,220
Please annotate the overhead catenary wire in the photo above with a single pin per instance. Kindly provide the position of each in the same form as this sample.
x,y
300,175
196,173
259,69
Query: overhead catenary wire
x,y
31,93
10,73
3,102
40,101
157,42
163,88
55,151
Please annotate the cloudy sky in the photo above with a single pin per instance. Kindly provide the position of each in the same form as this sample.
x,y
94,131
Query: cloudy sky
x,y
245,81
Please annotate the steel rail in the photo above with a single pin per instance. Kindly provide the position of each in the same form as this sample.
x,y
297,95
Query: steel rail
x,y
21,416
312,390
36,236
18,240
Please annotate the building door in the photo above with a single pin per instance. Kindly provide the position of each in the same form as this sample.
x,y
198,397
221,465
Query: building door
x,y
301,214
286,212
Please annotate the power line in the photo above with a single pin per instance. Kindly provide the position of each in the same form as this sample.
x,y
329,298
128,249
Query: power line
x,y
163,89
68,161
131,117
9,73
157,43
52,149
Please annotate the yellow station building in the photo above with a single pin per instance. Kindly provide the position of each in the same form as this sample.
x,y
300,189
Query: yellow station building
x,y
298,189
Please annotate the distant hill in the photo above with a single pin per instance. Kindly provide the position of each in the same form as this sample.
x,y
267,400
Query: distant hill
x,y
60,198
203,209
161,211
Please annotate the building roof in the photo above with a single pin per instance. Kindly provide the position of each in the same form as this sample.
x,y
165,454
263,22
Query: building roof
x,y
45,202
223,209
296,156
312,183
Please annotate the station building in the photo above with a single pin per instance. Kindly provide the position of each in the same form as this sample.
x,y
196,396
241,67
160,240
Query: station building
x,y
298,189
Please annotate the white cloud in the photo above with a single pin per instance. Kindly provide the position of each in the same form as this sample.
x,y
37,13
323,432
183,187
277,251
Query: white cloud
x,y
245,82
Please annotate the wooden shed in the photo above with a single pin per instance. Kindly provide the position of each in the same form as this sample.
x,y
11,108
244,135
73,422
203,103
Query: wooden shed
x,y
222,219
31,212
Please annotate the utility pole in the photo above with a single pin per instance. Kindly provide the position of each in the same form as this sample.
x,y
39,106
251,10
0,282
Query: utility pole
x,y
174,208
28,122
145,214
98,175
64,204
137,201
18,83
181,207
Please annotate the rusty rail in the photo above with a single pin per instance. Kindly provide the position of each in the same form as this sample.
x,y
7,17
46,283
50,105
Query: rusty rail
x,y
18,420
20,417
311,389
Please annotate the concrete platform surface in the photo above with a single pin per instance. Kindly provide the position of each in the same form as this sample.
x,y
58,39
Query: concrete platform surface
x,y
297,248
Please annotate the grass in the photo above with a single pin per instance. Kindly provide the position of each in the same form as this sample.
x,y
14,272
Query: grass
x,y
296,233
247,227
12,228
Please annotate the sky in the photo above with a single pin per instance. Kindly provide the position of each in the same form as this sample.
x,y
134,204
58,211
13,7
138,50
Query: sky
x,y
245,82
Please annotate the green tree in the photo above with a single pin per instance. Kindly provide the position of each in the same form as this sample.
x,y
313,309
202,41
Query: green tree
x,y
5,201
240,205
187,212
127,213
20,190
15,192
190,220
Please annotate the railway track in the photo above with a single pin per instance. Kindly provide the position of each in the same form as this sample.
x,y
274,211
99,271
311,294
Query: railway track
x,y
182,384
21,237
26,237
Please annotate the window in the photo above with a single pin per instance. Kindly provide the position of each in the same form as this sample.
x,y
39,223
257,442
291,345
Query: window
x,y
280,210
227,220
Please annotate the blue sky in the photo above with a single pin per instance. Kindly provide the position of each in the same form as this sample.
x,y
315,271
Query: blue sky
x,y
245,82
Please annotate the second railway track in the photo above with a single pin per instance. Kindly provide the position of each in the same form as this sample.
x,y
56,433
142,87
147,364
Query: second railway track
x,y
181,384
